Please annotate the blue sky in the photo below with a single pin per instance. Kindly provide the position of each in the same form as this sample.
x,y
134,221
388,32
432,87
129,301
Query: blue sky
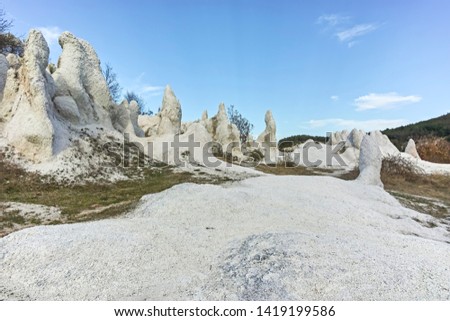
x,y
319,65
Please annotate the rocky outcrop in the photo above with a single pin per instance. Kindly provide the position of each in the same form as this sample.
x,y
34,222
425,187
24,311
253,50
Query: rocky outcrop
x,y
46,115
27,101
170,115
79,77
386,146
370,160
4,66
411,149
269,135
125,118
149,124
355,138
204,115
222,131
339,136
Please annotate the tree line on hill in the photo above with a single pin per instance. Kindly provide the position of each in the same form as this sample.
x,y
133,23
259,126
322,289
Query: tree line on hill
x,y
438,127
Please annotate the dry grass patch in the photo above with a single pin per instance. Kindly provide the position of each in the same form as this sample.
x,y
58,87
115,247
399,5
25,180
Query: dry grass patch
x,y
433,149
290,169
91,201
425,193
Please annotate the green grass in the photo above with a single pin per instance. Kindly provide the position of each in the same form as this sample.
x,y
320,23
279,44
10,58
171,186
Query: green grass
x,y
86,202
8,219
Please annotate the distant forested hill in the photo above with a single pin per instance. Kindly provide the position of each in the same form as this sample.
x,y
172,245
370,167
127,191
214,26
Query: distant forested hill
x,y
438,127
297,139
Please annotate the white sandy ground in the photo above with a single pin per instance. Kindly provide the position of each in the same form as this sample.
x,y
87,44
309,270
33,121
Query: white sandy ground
x,y
350,158
30,211
265,238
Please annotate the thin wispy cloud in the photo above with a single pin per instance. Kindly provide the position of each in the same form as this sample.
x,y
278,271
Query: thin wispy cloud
x,y
348,35
51,34
367,125
152,89
334,98
141,87
384,101
344,30
332,19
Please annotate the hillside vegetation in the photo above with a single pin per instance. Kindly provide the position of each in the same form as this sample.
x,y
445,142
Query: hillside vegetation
x,y
438,127
432,138
298,139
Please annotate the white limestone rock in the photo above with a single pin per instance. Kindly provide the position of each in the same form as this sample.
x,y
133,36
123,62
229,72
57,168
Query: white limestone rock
x,y
133,109
370,161
124,118
27,102
79,75
386,146
225,133
355,138
269,135
67,108
170,115
339,136
13,61
149,124
268,140
4,66
411,149
204,115
11,87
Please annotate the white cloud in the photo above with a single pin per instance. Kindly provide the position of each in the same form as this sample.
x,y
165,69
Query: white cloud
x,y
334,98
349,34
332,19
367,125
51,34
384,101
343,28
152,89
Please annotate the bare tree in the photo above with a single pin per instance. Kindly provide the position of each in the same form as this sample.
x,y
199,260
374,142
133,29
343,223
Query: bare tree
x,y
242,123
131,95
111,81
8,42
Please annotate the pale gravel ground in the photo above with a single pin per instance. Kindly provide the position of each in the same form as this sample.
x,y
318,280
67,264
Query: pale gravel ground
x,y
265,238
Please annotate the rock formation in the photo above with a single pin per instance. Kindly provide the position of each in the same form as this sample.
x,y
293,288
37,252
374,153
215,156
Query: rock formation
x,y
125,118
4,66
370,160
45,114
80,82
411,149
269,135
339,136
220,128
27,103
170,115
355,138
386,146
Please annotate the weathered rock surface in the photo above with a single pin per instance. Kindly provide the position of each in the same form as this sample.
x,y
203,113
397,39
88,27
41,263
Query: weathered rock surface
x,y
79,76
386,146
4,66
339,136
149,124
355,138
411,149
370,160
221,130
27,102
269,135
170,115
